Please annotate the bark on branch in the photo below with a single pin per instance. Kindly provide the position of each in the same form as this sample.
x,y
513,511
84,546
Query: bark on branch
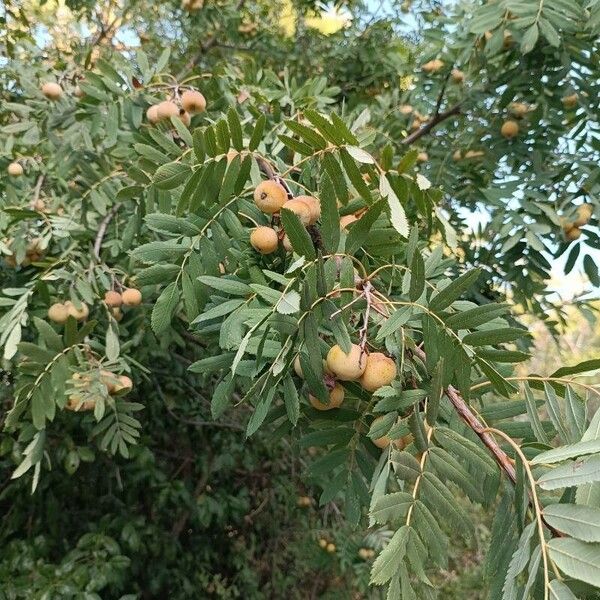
x,y
434,122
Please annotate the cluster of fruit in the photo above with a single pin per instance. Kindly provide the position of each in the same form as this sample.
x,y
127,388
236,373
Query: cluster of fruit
x,y
572,229
83,400
327,546
189,103
270,197
128,297
34,252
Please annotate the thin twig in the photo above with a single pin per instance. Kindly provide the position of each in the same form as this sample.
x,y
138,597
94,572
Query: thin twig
x,y
102,229
436,120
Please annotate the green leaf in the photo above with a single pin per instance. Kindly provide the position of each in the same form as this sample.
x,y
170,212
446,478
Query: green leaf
x,y
359,231
491,337
397,214
566,452
221,398
581,522
257,133
390,559
474,317
453,291
572,474
165,306
330,217
534,418
326,128
291,400
437,389
553,408
299,238
233,287
559,591
392,507
580,560
235,129
530,39
171,175
394,322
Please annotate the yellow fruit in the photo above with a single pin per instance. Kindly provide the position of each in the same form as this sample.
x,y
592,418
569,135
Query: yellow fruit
x,y
457,155
15,169
363,553
509,129
433,66
336,397
193,101
347,220
302,210
384,441
584,214
264,240
314,206
405,109
298,367
51,90
152,114
458,76
379,371
570,101
117,313
422,157
347,367
518,109
330,548
79,314
74,403
304,501
572,233
270,196
113,298
123,384
131,297
58,313
109,379
39,205
167,109
185,118
323,543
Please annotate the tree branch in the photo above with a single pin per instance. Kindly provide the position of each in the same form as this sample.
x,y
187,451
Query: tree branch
x,y
102,229
435,120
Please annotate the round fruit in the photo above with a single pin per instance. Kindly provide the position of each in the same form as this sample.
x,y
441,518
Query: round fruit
x,y
270,196
422,157
58,313
264,240
584,214
314,205
518,109
302,210
458,76
347,220
124,384
186,118
380,371
79,314
433,66
152,114
347,367
51,90
405,109
75,403
363,553
330,548
572,233
15,169
509,129
303,501
336,397
193,101
570,101
167,109
113,298
117,313
457,155
323,543
132,297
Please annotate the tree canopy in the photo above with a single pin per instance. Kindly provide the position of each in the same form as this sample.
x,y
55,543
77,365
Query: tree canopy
x,y
269,271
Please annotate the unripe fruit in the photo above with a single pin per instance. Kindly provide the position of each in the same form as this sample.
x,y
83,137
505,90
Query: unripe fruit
x,y
264,240
336,397
380,370
347,367
124,384
509,129
15,169
584,214
330,548
433,66
58,313
301,209
314,206
167,109
458,76
152,114
131,297
347,220
193,101
570,101
79,314
113,298
270,196
51,90
572,233
422,157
